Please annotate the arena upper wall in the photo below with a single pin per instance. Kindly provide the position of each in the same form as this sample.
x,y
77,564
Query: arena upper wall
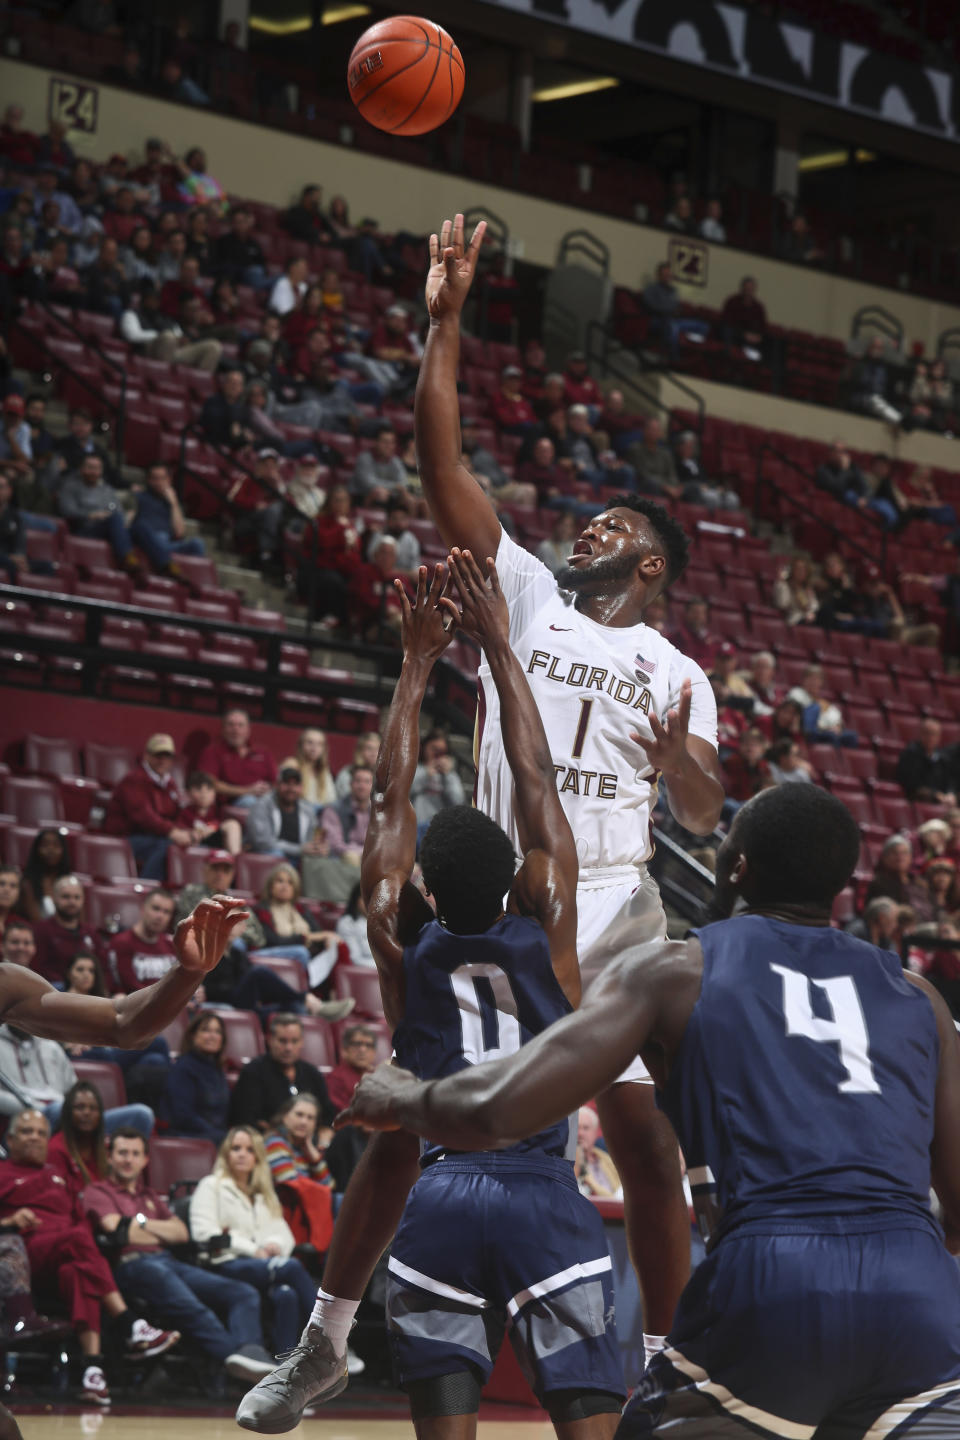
x,y
270,166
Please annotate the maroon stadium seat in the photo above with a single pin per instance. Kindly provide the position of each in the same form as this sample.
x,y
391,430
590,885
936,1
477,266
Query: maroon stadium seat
x,y
104,857
51,756
108,763
115,907
244,1036
178,1157
319,1042
290,970
34,802
108,1079
252,871
363,985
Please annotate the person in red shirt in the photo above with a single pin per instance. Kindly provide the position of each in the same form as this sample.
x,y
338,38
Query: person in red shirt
x,y
552,480
580,387
145,952
145,806
78,1151
201,816
241,771
694,637
63,1253
17,145
512,411
10,896
746,773
358,1056
66,933
393,344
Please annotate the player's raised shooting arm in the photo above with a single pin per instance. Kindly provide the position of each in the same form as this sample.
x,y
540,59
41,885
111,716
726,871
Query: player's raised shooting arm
x,y
460,510
130,1020
496,1104
546,885
945,1150
390,848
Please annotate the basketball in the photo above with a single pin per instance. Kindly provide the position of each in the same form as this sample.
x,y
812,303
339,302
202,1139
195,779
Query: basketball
x,y
405,75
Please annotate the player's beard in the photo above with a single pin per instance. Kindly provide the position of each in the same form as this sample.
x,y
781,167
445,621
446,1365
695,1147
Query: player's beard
x,y
603,571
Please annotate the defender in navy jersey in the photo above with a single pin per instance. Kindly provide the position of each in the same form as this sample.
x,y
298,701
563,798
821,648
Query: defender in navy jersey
x,y
489,1245
815,1088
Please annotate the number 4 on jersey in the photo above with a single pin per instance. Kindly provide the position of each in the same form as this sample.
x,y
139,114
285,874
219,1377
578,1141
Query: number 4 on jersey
x,y
847,1029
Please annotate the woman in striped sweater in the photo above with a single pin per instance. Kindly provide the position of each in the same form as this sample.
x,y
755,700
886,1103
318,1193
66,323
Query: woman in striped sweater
x,y
299,1170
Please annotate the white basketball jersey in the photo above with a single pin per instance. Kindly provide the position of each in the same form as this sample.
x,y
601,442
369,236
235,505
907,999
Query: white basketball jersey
x,y
593,685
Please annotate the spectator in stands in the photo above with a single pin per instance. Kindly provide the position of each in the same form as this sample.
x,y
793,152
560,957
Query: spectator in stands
x,y
78,1151
191,1296
122,218
352,929
225,417
290,288
201,815
364,252
698,488
239,1198
13,559
259,499
379,472
923,503
105,281
484,465
12,902
662,304
175,84
744,320
693,635
238,255
358,1056
840,603
290,930
406,555
75,447
63,1253
48,187
794,594
919,397
511,409
799,245
185,284
786,723
91,507
282,822
16,447
436,784
365,753
158,525
579,386
345,824
942,398
145,952
170,261
879,924
871,384
926,769
84,976
552,480
197,186
65,933
197,1097
241,770
881,608
841,477
43,1073
933,838
623,427
653,463
396,352
822,718
163,338
941,881
19,946
314,761
305,488
680,216
885,499
595,1171
41,441
711,226
555,550
299,1171
145,807
787,765
268,1080
139,260
306,221
17,145
894,879
746,772
47,860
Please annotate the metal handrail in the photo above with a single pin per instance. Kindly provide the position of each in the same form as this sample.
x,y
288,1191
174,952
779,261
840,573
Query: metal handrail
x,y
121,409
584,242
801,504
607,359
117,409
880,319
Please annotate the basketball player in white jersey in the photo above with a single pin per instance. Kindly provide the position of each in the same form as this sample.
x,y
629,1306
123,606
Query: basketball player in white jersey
x,y
622,708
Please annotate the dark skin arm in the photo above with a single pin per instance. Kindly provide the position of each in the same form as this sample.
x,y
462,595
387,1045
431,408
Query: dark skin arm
x,y
460,510
546,884
945,1151
641,1002
127,1021
396,910
689,765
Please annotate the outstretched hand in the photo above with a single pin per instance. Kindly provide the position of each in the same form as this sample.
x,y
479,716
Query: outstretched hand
x,y
424,629
483,613
451,267
201,939
667,751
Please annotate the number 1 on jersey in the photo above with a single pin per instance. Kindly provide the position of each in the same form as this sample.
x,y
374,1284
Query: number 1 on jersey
x,y
578,740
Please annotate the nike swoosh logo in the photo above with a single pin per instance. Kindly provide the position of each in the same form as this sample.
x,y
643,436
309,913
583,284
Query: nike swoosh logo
x,y
568,629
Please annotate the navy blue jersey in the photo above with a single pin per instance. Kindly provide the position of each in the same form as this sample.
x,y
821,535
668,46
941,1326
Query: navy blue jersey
x,y
471,998
804,1084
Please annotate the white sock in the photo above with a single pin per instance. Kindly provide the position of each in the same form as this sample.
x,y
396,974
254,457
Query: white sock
x,y
652,1345
335,1318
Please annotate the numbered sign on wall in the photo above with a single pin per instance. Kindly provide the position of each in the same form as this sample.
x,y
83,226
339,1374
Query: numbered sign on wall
x,y
73,105
689,260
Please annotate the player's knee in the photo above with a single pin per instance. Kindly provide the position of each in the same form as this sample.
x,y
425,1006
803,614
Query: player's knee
x,y
567,1406
455,1394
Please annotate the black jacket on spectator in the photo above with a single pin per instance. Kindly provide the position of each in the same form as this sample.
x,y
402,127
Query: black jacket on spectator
x,y
235,253
103,286
922,775
307,225
74,454
197,1098
11,531
839,482
263,1087
218,418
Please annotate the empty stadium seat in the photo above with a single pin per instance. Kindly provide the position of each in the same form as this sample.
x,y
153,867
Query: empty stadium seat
x,y
186,866
289,970
51,756
174,1158
104,857
363,985
252,871
108,1079
319,1042
108,763
244,1036
115,907
34,802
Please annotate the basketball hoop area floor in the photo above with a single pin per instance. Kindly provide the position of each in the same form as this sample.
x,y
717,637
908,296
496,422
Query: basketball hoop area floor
x,y
123,1424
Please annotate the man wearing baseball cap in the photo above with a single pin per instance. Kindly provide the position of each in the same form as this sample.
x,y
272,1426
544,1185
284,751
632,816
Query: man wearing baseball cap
x,y
512,411
144,807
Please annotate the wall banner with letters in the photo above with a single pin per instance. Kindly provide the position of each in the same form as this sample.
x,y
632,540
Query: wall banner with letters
x,y
750,46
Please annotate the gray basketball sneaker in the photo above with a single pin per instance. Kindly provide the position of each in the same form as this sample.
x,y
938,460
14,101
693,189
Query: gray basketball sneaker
x,y
311,1374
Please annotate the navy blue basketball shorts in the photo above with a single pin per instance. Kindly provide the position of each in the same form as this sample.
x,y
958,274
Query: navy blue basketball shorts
x,y
490,1244
810,1337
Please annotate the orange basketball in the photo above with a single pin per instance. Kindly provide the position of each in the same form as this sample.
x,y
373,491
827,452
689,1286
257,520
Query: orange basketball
x,y
405,75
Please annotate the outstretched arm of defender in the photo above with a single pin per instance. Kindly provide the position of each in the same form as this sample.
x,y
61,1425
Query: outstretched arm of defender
x,y
460,510
390,848
131,1020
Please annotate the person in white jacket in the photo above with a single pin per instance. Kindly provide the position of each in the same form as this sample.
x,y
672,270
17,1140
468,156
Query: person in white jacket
x,y
239,1198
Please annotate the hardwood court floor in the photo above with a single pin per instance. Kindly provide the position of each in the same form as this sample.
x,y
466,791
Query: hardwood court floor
x,y
89,1425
